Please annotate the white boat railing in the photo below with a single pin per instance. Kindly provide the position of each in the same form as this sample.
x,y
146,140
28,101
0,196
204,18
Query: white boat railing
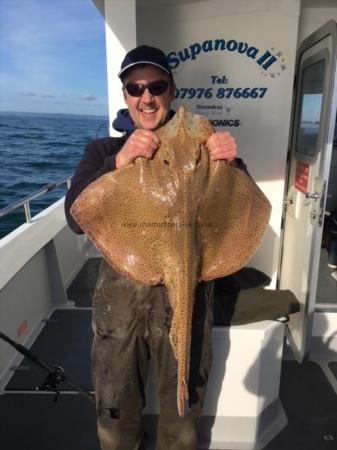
x,y
25,202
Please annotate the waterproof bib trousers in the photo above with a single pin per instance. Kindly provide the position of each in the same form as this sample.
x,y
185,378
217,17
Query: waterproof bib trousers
x,y
131,324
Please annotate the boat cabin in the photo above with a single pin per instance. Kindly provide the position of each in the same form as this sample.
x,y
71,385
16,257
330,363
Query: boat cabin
x,y
265,71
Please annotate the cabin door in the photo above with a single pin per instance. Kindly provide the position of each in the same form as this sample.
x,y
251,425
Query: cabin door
x,y
313,122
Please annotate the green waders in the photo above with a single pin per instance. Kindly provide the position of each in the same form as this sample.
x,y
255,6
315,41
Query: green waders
x,y
131,324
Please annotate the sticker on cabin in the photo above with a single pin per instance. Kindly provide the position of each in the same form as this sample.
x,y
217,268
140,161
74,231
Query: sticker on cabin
x,y
302,177
264,58
216,78
21,328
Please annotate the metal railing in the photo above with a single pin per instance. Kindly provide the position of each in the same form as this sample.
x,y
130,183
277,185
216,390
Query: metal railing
x,y
99,128
25,202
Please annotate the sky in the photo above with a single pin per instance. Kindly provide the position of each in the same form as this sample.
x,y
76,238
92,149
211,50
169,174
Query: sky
x,y
52,57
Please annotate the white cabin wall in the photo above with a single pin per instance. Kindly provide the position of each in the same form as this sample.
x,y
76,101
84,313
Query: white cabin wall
x,y
120,34
262,137
314,14
274,25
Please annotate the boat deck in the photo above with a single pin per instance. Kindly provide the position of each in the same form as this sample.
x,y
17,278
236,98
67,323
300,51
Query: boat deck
x,y
31,419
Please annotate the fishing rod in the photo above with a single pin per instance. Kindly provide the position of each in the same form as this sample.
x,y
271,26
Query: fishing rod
x,y
55,375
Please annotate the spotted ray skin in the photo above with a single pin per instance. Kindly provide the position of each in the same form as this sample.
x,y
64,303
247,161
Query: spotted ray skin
x,y
175,219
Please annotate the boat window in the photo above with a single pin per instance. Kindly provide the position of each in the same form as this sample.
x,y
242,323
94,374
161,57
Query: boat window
x,y
311,97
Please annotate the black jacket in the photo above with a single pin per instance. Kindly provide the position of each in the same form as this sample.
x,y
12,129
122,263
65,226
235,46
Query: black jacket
x,y
99,158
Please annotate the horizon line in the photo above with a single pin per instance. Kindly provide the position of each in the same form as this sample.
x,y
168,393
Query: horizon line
x,y
56,113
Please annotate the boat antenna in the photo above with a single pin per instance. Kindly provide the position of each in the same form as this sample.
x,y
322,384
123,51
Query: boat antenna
x,y
55,374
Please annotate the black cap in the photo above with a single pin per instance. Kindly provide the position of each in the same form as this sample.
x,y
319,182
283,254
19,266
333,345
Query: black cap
x,y
144,54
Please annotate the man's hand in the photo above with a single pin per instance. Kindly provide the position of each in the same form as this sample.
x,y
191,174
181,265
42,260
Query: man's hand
x,y
221,145
140,143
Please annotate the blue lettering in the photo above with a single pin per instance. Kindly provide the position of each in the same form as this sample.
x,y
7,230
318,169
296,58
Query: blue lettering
x,y
225,122
173,60
195,50
207,46
269,62
252,52
219,43
266,60
232,45
242,48
263,58
192,52
184,56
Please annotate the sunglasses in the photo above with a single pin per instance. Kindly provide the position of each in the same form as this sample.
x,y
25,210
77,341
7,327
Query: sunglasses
x,y
155,88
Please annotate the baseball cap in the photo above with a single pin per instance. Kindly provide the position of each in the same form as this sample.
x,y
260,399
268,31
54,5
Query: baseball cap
x,y
145,54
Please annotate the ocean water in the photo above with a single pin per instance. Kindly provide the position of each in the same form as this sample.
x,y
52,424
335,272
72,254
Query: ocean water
x,y
39,149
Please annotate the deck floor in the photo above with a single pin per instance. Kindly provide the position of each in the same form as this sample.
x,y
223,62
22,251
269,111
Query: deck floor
x,y
326,283
33,420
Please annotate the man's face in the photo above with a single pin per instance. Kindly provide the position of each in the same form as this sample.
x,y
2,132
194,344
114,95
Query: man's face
x,y
148,111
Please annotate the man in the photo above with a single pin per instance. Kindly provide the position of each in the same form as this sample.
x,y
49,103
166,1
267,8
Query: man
x,y
131,321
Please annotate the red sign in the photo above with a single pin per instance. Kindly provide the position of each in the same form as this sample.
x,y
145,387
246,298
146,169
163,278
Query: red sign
x,y
21,328
302,176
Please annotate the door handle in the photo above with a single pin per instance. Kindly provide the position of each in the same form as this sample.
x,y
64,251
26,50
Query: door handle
x,y
313,214
287,201
313,196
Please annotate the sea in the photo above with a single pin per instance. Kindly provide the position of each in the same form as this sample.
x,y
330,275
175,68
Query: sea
x,y
37,150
